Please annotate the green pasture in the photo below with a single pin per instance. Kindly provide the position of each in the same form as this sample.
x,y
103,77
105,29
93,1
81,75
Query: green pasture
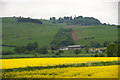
x,y
100,33
20,33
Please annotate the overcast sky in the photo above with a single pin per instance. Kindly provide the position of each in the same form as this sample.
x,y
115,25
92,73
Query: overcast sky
x,y
104,10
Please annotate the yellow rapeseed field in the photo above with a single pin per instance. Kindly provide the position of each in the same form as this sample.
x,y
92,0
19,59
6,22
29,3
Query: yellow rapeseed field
x,y
70,72
24,62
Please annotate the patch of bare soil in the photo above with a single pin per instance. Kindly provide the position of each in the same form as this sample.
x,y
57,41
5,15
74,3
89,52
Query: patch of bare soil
x,y
74,35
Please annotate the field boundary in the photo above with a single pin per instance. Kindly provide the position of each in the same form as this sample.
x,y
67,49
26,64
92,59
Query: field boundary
x,y
55,56
88,64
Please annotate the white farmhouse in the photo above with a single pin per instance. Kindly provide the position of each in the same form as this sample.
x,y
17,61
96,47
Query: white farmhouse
x,y
71,47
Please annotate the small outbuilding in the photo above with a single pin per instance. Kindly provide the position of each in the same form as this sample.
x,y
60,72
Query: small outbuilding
x,y
72,47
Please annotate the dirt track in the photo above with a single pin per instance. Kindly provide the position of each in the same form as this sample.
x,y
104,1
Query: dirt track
x,y
74,35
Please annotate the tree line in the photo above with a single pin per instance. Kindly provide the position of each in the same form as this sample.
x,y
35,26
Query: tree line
x,y
63,38
21,19
30,48
113,50
80,20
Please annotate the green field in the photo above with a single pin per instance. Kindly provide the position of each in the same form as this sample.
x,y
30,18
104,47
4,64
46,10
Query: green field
x,y
15,33
100,33
20,33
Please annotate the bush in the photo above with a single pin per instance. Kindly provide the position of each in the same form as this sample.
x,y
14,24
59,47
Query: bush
x,y
95,55
27,52
52,51
77,51
29,20
60,51
115,55
101,55
32,46
54,48
95,44
112,48
35,55
42,50
7,52
57,54
20,49
106,43
87,50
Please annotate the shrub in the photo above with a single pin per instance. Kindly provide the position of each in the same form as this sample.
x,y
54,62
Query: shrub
x,y
7,52
20,49
57,54
35,55
77,51
52,51
42,50
112,48
32,46
95,44
87,50
95,55
27,52
101,55
60,51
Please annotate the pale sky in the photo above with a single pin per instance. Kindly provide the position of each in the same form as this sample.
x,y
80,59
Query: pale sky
x,y
104,10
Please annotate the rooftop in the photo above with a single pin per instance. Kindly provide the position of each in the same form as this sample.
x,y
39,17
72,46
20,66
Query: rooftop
x,y
75,46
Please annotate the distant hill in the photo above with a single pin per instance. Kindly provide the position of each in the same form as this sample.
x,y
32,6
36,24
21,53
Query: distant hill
x,y
95,33
20,33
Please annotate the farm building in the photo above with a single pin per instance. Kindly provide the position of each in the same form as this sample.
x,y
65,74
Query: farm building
x,y
71,47
99,50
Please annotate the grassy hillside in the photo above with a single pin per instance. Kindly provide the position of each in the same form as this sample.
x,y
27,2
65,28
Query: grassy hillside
x,y
15,33
100,33
20,33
